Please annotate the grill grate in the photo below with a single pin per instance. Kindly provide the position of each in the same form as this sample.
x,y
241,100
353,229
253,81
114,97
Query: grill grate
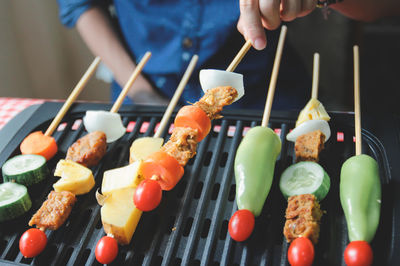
x,y
190,225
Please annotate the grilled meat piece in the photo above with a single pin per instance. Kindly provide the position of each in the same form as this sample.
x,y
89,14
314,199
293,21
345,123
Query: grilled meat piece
x,y
89,149
303,216
215,99
182,144
309,146
54,211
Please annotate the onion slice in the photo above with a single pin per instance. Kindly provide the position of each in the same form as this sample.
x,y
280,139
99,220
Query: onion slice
x,y
310,126
109,123
100,198
212,78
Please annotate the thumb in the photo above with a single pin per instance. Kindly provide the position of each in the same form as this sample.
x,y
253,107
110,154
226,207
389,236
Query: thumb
x,y
250,24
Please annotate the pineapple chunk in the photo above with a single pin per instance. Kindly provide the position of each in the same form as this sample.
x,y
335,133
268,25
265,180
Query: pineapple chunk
x,y
123,177
313,110
75,178
120,216
141,148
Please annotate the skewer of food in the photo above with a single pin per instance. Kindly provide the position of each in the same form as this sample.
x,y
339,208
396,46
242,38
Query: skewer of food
x,y
110,122
255,163
45,144
30,167
76,179
163,168
360,191
305,183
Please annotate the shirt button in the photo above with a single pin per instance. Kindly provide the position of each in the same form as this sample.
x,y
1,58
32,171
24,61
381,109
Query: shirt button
x,y
187,43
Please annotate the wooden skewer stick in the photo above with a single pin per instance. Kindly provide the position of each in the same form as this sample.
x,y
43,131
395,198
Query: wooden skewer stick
x,y
357,109
274,77
72,97
131,80
176,96
239,56
314,92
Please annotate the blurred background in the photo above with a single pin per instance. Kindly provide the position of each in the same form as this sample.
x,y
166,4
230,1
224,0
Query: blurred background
x,y
39,58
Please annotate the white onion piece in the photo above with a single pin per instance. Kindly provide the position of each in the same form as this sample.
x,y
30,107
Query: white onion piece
x,y
109,123
211,78
310,126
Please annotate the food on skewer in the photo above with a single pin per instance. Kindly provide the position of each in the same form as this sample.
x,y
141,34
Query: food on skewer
x,y
45,144
123,177
309,146
89,149
303,216
14,201
75,178
360,190
25,169
143,147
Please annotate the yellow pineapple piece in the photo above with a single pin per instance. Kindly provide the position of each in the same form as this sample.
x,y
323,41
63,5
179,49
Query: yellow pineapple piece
x,y
120,216
143,147
75,178
313,110
122,177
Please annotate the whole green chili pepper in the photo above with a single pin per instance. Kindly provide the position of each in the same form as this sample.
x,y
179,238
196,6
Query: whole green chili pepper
x,y
360,196
254,168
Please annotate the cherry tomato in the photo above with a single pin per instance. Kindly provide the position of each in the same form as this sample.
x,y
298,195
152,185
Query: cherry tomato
x,y
358,253
147,195
241,225
32,242
106,250
301,252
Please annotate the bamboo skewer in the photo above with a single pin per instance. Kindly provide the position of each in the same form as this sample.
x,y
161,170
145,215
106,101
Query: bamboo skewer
x,y
131,80
72,97
274,77
357,109
314,91
239,56
177,95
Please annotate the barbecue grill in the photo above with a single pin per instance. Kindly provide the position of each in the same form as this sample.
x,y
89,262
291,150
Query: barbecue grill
x,y
189,227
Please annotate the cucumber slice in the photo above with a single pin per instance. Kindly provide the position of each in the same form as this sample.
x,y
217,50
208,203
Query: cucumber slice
x,y
14,201
26,169
305,178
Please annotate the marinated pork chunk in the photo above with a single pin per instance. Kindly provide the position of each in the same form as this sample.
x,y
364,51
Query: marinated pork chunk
x,y
182,144
54,211
309,146
215,99
89,149
303,216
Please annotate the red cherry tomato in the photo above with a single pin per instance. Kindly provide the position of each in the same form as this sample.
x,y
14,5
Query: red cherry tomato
x,y
358,253
301,252
241,225
147,195
106,250
32,242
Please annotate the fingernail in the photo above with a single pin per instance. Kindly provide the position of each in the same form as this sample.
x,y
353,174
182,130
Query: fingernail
x,y
259,44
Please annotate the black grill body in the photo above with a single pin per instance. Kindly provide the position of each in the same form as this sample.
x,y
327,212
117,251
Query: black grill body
x,y
190,225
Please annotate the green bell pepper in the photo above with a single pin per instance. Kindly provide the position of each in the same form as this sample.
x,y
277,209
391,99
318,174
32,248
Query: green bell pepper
x,y
360,196
254,168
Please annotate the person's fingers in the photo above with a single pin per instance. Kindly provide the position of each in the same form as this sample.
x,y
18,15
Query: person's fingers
x,y
251,25
290,9
307,6
270,13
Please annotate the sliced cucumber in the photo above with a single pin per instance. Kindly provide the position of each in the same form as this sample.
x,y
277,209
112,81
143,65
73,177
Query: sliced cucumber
x,y
305,178
14,201
26,169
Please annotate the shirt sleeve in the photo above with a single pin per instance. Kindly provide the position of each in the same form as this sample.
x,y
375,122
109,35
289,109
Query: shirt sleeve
x,y
71,10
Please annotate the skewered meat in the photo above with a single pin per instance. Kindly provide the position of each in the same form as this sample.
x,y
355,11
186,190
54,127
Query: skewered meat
x,y
309,146
303,216
54,211
215,99
182,144
89,149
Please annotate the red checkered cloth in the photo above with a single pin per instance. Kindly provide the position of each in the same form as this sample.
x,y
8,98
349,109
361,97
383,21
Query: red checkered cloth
x,y
10,107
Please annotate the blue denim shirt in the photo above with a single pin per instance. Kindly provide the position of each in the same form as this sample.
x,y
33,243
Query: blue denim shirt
x,y
174,30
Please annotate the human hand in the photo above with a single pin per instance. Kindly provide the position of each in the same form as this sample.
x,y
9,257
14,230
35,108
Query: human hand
x,y
142,92
258,14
